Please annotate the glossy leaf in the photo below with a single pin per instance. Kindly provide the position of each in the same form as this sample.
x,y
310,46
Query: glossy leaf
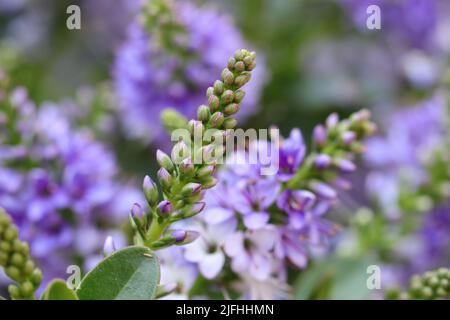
x,y
128,274
58,290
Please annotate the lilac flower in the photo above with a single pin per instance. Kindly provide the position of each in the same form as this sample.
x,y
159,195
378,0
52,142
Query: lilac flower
x,y
411,21
400,153
175,269
149,79
436,236
305,215
252,198
219,208
292,247
207,250
60,187
292,152
251,251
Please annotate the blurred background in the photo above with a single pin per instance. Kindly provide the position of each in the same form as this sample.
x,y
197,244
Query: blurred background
x,y
315,57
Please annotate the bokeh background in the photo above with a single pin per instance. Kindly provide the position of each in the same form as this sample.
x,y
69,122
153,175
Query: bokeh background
x,y
316,57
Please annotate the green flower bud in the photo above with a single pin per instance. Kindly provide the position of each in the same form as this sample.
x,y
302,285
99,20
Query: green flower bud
x,y
230,109
17,259
205,171
231,63
164,178
216,120
164,161
14,257
239,96
218,87
187,167
227,77
251,66
150,191
239,55
230,123
242,79
203,113
191,189
209,92
209,183
214,103
248,60
239,66
227,97
196,127
172,120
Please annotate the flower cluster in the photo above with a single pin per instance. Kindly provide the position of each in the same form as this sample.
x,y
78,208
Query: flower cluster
x,y
15,259
182,179
432,285
409,184
169,59
419,46
57,183
401,154
256,226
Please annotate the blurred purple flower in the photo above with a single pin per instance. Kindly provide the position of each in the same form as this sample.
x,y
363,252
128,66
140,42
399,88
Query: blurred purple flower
x,y
412,134
61,188
147,79
436,236
412,21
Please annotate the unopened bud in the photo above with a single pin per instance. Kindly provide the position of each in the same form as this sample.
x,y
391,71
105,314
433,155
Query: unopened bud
x,y
164,178
164,208
191,189
242,79
230,109
109,247
150,191
213,102
203,112
345,165
227,97
322,161
218,87
216,120
319,135
230,123
164,160
227,77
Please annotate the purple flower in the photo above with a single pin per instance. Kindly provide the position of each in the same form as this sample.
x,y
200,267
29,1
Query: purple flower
x,y
252,198
207,250
293,201
411,21
436,236
292,152
175,269
251,251
305,215
63,184
219,208
291,247
412,134
149,79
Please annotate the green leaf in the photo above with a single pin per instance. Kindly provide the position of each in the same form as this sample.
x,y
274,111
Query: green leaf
x,y
128,274
58,290
334,278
